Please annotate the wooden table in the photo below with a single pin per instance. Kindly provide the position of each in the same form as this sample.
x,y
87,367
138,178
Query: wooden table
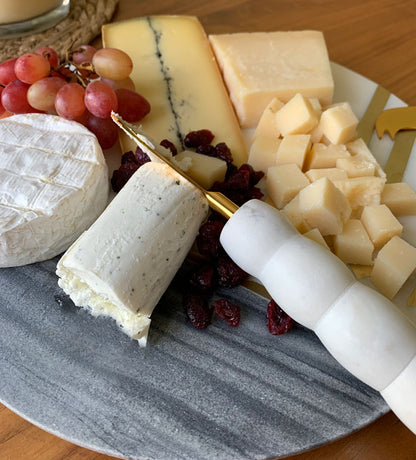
x,y
376,38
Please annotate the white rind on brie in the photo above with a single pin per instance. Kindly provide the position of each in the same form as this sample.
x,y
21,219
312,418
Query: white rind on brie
x,y
121,266
53,185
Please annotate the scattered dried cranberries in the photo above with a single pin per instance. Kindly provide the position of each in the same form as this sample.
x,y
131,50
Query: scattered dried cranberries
x,y
198,310
196,138
278,322
228,311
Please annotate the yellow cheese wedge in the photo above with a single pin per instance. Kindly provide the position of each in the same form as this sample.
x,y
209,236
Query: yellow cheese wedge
x,y
258,66
175,69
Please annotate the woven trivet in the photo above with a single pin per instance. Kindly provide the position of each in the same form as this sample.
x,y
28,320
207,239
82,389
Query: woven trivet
x,y
82,24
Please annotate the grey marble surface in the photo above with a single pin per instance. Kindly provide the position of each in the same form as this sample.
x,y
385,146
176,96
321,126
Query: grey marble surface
x,y
222,393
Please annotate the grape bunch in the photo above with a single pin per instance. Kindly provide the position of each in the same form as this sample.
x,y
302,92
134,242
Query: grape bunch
x,y
86,86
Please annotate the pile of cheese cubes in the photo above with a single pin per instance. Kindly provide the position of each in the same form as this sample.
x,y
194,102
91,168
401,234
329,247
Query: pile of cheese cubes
x,y
330,186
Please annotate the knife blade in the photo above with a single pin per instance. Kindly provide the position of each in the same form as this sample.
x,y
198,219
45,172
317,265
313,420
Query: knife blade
x,y
216,200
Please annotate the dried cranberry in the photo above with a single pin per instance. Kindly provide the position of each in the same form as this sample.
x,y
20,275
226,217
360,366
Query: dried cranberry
x,y
170,146
203,279
238,197
128,157
255,176
141,157
122,175
223,152
196,138
229,274
228,311
278,322
231,169
208,239
240,180
206,149
197,309
239,185
254,193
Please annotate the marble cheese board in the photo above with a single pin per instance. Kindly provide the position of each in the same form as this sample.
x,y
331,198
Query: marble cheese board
x,y
223,393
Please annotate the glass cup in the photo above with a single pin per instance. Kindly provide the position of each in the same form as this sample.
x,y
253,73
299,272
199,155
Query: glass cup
x,y
25,17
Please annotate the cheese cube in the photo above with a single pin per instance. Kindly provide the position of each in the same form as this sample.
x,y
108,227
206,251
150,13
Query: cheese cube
x,y
361,271
353,244
325,156
316,134
263,152
293,149
380,224
261,65
316,105
331,173
394,263
325,207
283,183
267,125
292,212
297,116
361,191
359,147
356,166
315,235
338,123
399,198
204,169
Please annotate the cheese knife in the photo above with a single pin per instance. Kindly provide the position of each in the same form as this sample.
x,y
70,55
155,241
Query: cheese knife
x,y
362,329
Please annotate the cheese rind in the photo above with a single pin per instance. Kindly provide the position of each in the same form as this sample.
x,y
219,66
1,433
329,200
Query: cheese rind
x,y
261,65
53,185
127,258
175,70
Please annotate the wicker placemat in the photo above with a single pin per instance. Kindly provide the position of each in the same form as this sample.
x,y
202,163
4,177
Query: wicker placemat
x,y
81,25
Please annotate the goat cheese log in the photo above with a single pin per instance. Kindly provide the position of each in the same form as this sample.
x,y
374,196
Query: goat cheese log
x,y
124,262
361,328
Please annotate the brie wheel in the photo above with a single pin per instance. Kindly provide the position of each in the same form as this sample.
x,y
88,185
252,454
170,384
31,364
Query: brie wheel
x,y
53,185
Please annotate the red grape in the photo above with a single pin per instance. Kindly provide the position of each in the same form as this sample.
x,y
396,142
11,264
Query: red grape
x,y
83,54
14,98
2,109
69,102
50,54
105,130
112,63
116,84
31,67
42,93
7,73
131,105
100,99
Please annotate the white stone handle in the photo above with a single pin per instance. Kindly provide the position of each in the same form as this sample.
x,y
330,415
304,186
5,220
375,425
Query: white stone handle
x,y
361,328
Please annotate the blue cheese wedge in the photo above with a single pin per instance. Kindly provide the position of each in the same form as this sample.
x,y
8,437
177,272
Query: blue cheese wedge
x,y
121,266
53,185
